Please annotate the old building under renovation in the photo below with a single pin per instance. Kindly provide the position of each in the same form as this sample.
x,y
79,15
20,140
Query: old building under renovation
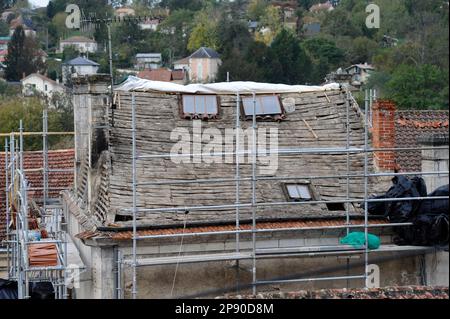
x,y
231,188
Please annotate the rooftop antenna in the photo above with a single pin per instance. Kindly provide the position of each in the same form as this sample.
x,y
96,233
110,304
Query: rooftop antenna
x,y
87,23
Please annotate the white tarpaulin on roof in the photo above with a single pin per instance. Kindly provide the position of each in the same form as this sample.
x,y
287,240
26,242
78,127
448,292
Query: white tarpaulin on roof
x,y
138,84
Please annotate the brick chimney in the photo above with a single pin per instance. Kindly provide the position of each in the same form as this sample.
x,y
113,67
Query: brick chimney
x,y
383,134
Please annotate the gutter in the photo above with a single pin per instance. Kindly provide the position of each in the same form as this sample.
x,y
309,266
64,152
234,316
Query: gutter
x,y
228,223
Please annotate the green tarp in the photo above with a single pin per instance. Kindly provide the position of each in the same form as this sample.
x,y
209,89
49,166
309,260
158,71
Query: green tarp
x,y
358,240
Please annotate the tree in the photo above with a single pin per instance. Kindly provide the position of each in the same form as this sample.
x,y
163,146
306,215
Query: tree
x,y
256,9
29,110
4,29
24,56
6,4
51,10
271,21
423,87
204,32
307,4
287,60
193,5
233,34
362,50
325,57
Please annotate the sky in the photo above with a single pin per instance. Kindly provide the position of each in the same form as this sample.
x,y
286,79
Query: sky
x,y
38,3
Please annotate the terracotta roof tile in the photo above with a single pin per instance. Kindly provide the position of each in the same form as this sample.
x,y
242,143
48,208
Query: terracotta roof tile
x,y
409,125
61,159
128,235
163,75
408,292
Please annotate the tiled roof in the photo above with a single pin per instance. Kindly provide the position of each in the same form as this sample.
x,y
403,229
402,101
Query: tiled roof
x,y
156,75
409,292
26,23
61,159
182,61
410,125
163,75
205,53
127,235
178,75
43,77
81,61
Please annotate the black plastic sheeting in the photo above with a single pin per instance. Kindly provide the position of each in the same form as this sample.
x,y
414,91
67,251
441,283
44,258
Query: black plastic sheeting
x,y
429,216
8,289
41,290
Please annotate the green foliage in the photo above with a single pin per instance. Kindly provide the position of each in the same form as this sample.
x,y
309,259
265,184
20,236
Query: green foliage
x,y
29,110
256,9
194,5
23,56
4,29
6,4
7,89
204,33
51,10
423,87
326,57
287,60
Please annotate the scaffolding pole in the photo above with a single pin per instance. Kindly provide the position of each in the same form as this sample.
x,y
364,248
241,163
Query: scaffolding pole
x,y
133,133
253,230
237,192
19,240
366,185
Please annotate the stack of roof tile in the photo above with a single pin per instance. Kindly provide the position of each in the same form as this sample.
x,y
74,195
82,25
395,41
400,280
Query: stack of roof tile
x,y
43,255
60,159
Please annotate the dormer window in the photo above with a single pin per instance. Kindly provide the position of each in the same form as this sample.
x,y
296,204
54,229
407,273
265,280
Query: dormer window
x,y
299,192
268,107
200,107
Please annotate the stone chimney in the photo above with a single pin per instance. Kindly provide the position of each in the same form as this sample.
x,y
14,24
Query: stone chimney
x,y
91,97
383,134
435,160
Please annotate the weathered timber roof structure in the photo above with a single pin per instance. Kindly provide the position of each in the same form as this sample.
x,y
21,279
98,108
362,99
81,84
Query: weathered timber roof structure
x,y
315,117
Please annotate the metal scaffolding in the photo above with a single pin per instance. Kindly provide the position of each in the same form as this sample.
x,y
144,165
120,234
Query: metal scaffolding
x,y
254,254
19,237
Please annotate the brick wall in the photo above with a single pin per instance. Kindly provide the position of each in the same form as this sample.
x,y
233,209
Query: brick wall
x,y
383,134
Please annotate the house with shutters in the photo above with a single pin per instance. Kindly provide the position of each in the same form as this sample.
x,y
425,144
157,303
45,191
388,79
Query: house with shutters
x,y
80,43
201,66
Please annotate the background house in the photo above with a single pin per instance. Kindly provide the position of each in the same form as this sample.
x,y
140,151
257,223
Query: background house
x,y
78,67
320,7
4,43
148,61
182,64
80,43
360,73
6,14
149,24
38,83
27,25
124,12
204,65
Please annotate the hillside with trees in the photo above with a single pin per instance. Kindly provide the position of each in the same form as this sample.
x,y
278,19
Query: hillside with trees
x,y
409,51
